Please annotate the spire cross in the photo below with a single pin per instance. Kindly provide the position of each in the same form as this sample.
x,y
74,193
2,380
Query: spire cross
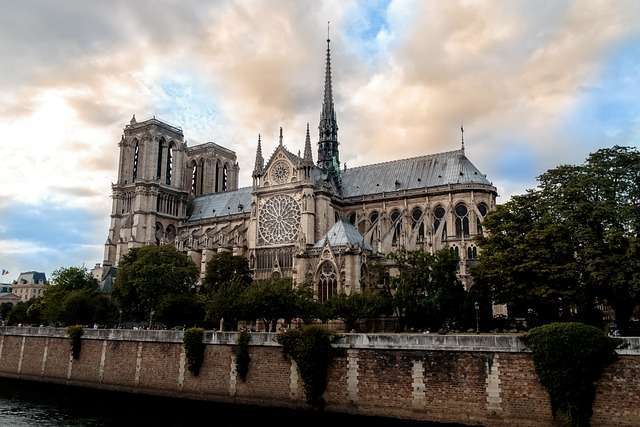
x,y
462,134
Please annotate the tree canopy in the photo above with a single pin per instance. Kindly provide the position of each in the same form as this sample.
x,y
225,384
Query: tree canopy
x,y
560,249
149,274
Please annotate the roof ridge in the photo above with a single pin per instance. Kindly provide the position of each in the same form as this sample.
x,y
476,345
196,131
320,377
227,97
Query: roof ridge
x,y
248,187
403,159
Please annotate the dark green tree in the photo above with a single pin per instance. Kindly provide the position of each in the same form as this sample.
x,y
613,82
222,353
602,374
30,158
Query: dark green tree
x,y
358,306
185,309
5,308
427,292
226,303
224,268
571,243
148,274
70,297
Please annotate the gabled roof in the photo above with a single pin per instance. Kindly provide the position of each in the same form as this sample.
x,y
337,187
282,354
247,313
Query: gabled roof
x,y
31,277
343,234
451,167
221,204
293,158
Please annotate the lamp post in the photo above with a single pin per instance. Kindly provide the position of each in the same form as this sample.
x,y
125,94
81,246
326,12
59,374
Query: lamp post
x,y
476,306
151,318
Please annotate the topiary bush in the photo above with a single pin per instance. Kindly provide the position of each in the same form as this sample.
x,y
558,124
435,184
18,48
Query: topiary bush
x,y
569,359
75,333
194,349
242,355
310,347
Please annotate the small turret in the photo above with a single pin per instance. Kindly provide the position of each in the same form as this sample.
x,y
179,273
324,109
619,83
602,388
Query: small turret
x,y
259,166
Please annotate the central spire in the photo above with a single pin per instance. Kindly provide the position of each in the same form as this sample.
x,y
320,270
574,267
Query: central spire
x,y
328,156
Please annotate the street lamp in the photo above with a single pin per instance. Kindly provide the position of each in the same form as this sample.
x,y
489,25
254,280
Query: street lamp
x,y
477,308
151,318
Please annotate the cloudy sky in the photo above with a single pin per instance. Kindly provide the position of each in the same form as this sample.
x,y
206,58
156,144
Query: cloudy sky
x,y
536,84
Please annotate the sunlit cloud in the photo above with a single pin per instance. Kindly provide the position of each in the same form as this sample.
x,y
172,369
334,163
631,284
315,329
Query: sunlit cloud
x,y
535,84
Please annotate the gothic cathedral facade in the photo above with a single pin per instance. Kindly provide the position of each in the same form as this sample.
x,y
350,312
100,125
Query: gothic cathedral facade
x,y
313,221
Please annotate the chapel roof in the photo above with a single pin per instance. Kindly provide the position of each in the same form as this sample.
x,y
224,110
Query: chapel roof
x,y
451,167
343,234
221,204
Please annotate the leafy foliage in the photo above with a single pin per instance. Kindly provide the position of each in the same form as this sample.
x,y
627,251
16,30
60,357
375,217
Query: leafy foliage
x,y
186,309
25,312
226,302
224,268
75,333
148,274
194,349
569,359
275,299
428,293
570,243
364,305
310,348
242,355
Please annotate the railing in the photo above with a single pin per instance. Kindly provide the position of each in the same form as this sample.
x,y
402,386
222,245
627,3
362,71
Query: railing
x,y
502,343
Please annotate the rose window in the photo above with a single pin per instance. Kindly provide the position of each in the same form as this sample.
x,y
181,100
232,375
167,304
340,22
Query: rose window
x,y
280,172
279,220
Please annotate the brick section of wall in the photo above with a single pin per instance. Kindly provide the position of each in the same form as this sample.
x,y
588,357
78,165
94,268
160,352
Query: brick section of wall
x,y
618,394
120,363
525,402
455,386
87,367
474,387
58,358
269,375
384,378
32,356
160,366
213,378
10,354
337,391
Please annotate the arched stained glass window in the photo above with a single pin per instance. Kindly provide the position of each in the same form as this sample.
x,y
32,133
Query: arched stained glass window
x,y
416,218
136,153
327,281
462,220
438,218
396,223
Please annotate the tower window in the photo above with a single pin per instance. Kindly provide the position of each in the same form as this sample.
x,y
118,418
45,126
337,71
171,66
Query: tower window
x,y
136,152
225,178
169,168
161,145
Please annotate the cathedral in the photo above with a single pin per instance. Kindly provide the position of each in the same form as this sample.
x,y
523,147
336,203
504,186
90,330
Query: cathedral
x,y
311,220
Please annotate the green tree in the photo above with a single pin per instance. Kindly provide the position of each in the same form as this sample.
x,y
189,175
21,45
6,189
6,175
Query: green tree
x,y
224,268
270,300
5,308
570,243
185,309
226,302
148,274
358,306
73,289
427,292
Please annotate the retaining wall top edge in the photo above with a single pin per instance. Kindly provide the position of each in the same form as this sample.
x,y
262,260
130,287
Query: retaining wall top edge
x,y
505,343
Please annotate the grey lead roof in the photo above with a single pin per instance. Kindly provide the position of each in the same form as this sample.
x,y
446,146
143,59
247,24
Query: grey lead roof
x,y
221,204
451,167
343,234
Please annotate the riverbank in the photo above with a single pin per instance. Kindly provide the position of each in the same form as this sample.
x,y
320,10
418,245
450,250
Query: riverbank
x,y
468,379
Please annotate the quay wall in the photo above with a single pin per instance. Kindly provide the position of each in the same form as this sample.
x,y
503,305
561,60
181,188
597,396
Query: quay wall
x,y
470,379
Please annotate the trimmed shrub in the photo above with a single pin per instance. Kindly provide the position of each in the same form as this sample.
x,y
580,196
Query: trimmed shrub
x,y
75,333
194,349
242,355
569,359
310,347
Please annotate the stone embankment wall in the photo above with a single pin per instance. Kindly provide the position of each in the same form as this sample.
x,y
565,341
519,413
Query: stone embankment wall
x,y
483,379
